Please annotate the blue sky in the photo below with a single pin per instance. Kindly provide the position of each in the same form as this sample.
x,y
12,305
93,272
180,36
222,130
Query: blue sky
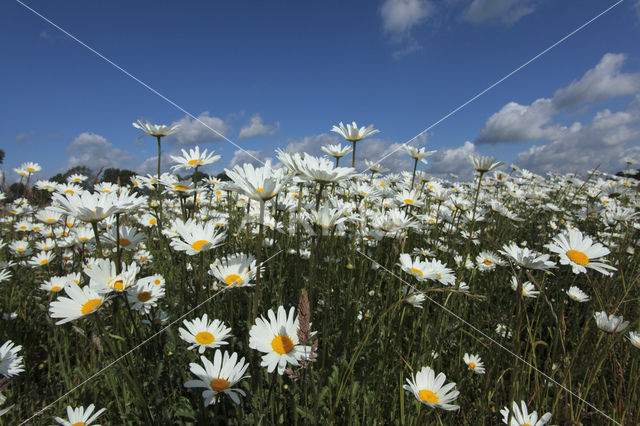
x,y
280,74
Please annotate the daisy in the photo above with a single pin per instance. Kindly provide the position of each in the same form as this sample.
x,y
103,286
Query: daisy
x,y
80,416
611,323
337,151
353,134
104,277
418,153
429,389
578,295
522,417
156,130
45,245
204,334
76,178
261,184
487,261
197,238
48,216
277,338
10,362
409,198
41,259
528,289
5,274
414,299
474,362
634,338
81,302
236,270
526,258
219,376
21,248
159,318
88,207
193,159
144,295
128,237
484,164
54,284
322,170
579,251
416,267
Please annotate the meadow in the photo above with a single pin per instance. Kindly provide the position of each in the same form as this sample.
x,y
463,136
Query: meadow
x,y
327,294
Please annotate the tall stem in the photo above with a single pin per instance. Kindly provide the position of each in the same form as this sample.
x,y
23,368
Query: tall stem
x,y
353,158
195,191
118,252
158,192
256,295
94,225
413,178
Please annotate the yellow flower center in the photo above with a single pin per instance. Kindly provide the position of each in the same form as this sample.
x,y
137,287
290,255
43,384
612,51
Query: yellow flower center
x,y
192,162
152,221
31,169
157,281
428,396
415,271
260,190
219,385
44,261
20,249
55,288
487,262
144,296
118,285
472,365
124,242
205,338
198,244
578,257
50,219
179,187
83,239
282,344
90,306
408,201
233,279
78,424
69,191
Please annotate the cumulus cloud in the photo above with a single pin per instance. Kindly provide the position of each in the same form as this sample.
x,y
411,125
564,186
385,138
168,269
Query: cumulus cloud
x,y
452,160
506,12
312,144
605,141
255,157
602,82
516,123
194,132
257,128
150,165
399,17
94,151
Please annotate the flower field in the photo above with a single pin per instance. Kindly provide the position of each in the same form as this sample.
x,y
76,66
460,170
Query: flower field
x,y
308,293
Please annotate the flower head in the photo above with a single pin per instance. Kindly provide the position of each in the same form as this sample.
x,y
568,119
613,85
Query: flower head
x,y
10,362
155,129
80,416
352,133
218,376
474,362
204,334
521,417
579,251
429,390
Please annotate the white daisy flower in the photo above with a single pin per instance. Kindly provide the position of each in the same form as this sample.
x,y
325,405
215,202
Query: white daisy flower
x,y
522,417
219,376
429,389
81,301
578,251
578,295
611,323
204,334
10,362
474,362
79,416
277,338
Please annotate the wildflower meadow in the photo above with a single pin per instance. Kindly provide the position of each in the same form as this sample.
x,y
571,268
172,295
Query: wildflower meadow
x,y
308,292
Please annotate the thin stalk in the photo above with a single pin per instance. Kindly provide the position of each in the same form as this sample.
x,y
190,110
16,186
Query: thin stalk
x,y
256,295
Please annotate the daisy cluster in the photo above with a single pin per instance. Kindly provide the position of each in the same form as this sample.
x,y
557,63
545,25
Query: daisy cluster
x,y
507,251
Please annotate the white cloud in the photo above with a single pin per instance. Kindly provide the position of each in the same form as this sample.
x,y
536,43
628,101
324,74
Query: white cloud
x,y
452,160
506,12
312,144
515,122
150,165
44,34
194,132
399,17
605,141
94,151
602,82
254,157
257,128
